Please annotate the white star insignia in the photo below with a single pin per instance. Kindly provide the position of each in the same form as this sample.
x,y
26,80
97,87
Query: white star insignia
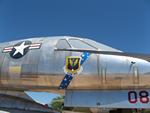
x,y
20,49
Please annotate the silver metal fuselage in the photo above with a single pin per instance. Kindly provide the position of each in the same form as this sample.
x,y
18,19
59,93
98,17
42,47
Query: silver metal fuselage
x,y
43,70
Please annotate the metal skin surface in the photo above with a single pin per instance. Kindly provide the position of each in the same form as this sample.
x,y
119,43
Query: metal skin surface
x,y
43,69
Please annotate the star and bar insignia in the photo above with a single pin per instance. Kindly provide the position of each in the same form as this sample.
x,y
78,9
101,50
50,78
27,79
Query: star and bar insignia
x,y
21,49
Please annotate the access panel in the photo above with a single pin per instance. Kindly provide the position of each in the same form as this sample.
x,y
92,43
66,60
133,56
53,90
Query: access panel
x,y
108,98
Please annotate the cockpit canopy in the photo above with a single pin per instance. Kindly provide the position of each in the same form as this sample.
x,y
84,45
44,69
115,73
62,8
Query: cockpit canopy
x,y
80,43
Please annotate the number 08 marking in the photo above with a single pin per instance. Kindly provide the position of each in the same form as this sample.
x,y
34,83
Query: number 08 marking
x,y
133,97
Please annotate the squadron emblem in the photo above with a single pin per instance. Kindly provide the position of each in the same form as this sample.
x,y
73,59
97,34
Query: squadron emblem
x,y
73,64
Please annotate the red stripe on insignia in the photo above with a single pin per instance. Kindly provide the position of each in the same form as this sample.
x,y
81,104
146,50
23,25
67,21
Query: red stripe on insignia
x,y
7,49
35,46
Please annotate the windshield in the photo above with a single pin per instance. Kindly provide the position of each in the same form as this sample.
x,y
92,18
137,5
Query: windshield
x,y
79,44
101,46
62,44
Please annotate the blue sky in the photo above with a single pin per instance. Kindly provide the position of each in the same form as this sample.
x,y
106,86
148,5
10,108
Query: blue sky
x,y
122,24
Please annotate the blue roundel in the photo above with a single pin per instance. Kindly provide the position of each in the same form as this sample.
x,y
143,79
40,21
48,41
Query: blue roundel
x,y
20,49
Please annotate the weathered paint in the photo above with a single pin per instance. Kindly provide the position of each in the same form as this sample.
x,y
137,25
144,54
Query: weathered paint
x,y
43,69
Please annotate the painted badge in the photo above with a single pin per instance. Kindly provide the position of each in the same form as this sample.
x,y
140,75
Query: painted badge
x,y
73,64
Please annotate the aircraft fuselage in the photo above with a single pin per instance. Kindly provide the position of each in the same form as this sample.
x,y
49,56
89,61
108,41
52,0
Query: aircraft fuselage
x,y
42,69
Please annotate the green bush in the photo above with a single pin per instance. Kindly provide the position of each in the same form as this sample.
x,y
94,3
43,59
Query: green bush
x,y
57,103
